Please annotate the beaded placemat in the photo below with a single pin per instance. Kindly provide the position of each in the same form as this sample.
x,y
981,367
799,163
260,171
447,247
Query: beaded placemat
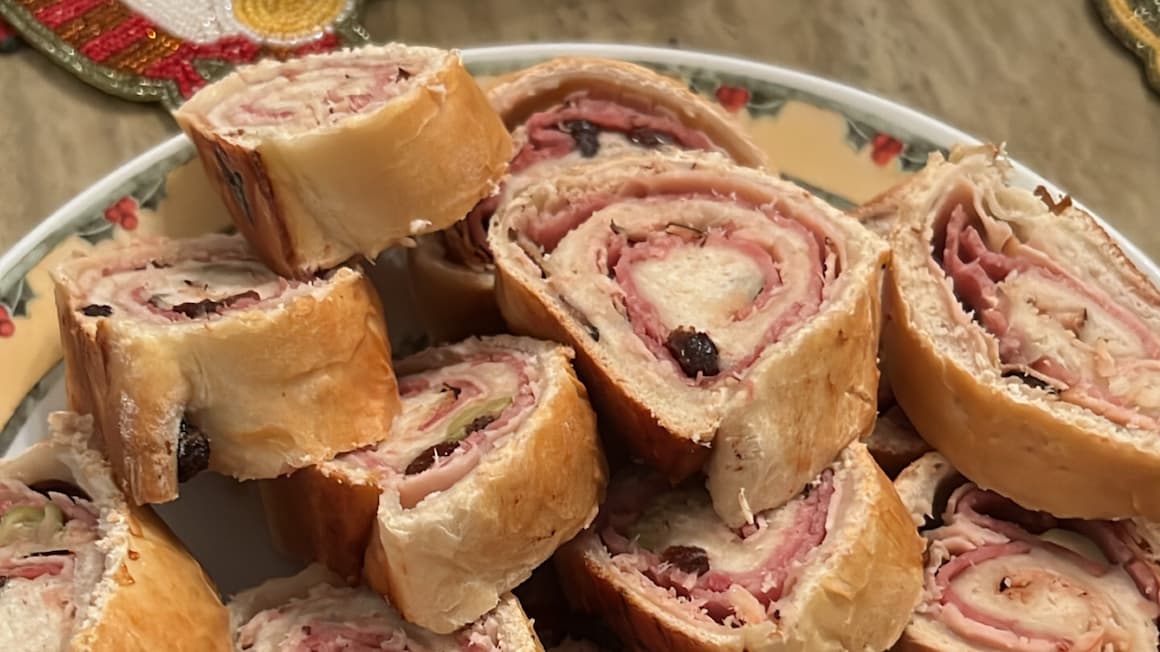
x,y
1136,23
165,50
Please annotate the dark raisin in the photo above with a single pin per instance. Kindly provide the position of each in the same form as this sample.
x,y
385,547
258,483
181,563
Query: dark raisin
x,y
427,458
479,423
157,265
1004,584
3,581
455,391
97,310
236,183
690,559
192,451
694,351
49,553
59,487
1030,380
649,137
777,614
586,136
198,309
403,74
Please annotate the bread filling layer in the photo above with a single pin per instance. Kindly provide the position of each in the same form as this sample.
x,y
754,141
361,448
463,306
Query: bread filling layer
x,y
584,126
306,94
452,417
684,272
1003,577
49,563
674,539
177,286
330,619
1055,330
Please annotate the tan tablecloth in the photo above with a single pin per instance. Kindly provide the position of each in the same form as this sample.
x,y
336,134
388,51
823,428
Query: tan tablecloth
x,y
1044,76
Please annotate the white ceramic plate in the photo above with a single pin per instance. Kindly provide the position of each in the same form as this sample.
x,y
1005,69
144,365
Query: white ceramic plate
x,y
844,144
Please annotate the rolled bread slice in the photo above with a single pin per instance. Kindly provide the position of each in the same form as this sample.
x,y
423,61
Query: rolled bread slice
x,y
1022,343
493,464
81,570
192,355
314,610
1001,577
722,318
894,443
837,568
330,156
561,112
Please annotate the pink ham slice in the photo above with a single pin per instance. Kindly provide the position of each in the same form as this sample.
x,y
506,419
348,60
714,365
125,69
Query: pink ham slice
x,y
727,596
550,138
972,513
435,398
175,283
987,264
322,95
801,284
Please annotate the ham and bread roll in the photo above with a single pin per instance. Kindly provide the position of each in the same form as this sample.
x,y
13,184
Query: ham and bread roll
x,y
722,318
315,612
83,571
1002,577
1022,343
331,156
561,112
493,464
192,355
837,568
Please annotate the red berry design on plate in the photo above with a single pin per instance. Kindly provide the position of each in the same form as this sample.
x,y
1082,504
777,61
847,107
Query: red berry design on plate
x,y
7,328
123,213
732,98
885,149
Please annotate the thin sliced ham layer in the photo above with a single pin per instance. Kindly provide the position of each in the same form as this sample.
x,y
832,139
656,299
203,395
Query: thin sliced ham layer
x,y
1051,325
688,252
301,95
1003,577
550,135
675,541
483,398
342,619
48,560
167,285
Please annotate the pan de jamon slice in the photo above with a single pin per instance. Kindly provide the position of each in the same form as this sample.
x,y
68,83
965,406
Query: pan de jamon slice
x,y
493,464
81,570
561,112
715,312
1022,343
314,610
837,568
192,355
1001,577
331,156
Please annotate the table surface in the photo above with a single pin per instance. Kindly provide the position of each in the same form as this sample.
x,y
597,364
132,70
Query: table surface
x,y
1046,77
